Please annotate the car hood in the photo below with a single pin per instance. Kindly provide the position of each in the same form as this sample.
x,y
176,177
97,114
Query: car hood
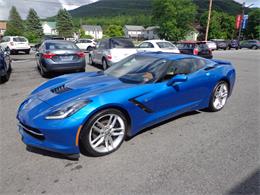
x,y
82,86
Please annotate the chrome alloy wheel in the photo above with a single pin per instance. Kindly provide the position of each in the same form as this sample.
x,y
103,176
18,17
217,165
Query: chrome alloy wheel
x,y
107,133
220,96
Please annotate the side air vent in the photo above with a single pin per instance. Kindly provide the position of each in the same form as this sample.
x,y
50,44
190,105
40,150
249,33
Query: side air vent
x,y
140,105
60,89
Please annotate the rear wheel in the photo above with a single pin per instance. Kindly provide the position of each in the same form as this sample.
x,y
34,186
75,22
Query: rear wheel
x,y
219,96
254,47
27,51
104,64
89,48
104,132
91,60
43,72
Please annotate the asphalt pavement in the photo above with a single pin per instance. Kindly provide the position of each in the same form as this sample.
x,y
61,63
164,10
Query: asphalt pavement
x,y
197,153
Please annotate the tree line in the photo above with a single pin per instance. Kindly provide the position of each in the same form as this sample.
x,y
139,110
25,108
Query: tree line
x,y
175,19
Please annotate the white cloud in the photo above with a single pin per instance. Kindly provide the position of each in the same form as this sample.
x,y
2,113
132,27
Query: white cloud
x,y
44,8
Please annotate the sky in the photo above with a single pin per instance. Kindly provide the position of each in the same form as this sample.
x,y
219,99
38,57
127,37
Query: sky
x,y
46,8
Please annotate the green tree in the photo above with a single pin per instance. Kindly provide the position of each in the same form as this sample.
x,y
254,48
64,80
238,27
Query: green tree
x,y
15,24
64,23
175,18
222,25
34,31
83,35
253,26
114,31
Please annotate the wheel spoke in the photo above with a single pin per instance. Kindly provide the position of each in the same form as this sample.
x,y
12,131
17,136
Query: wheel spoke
x,y
100,141
96,139
113,122
101,125
117,132
97,129
110,140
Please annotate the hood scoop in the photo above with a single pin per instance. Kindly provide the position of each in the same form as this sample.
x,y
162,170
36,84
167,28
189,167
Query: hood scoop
x,y
60,89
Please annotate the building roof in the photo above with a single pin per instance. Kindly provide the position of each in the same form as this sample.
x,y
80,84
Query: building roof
x,y
91,27
152,27
3,25
50,24
134,28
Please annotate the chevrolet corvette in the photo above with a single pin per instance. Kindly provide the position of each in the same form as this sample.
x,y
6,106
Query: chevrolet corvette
x,y
95,111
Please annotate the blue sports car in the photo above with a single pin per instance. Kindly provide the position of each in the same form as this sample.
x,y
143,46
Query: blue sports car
x,y
95,111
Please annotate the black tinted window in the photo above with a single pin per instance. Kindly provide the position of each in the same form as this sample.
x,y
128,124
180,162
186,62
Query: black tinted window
x,y
121,43
146,45
60,46
19,39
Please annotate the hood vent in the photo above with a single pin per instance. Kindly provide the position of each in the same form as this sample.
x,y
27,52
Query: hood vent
x,y
60,89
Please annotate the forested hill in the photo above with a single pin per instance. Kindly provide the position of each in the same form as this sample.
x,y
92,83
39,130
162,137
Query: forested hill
x,y
134,7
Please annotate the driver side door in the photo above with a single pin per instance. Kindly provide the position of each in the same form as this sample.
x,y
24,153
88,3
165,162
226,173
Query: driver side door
x,y
179,97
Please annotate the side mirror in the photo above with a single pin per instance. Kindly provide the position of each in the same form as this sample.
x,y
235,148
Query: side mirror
x,y
177,78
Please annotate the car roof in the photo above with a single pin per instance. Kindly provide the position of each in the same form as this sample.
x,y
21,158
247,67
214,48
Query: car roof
x,y
155,41
57,41
167,55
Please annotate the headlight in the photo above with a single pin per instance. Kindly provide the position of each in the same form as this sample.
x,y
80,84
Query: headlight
x,y
67,110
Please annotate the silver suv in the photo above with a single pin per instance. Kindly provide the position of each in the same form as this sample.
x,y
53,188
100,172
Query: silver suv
x,y
111,50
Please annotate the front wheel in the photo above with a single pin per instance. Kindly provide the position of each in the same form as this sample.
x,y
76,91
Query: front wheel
x,y
219,97
104,132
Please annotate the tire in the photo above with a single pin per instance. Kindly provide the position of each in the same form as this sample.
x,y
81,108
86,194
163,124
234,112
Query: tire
x,y
104,64
89,49
27,51
213,104
90,61
6,77
254,47
42,72
96,140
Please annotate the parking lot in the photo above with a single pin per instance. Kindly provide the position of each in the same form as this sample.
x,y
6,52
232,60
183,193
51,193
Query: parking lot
x,y
197,153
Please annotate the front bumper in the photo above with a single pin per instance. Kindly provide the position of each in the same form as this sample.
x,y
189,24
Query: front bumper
x,y
54,135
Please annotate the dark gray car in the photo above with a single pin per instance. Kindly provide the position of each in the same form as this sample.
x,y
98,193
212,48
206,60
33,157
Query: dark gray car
x,y
250,44
59,56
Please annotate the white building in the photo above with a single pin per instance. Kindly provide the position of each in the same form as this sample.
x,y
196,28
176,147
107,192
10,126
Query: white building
x,y
49,28
93,30
151,32
2,28
134,32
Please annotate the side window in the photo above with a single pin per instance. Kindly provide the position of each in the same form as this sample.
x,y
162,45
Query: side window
x,y
199,64
88,41
184,66
101,45
146,45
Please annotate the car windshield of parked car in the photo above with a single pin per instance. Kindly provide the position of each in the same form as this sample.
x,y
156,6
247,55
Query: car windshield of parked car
x,y
138,69
19,39
122,43
167,45
60,46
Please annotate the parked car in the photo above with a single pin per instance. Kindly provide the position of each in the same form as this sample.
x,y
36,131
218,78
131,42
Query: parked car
x,y
95,111
250,44
221,43
112,50
211,45
15,44
157,45
195,48
233,44
5,64
59,56
86,44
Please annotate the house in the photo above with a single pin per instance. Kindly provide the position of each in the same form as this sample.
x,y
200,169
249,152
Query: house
x,y
192,35
134,32
93,30
49,28
151,32
2,28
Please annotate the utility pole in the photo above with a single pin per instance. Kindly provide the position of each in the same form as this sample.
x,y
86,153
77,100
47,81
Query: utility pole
x,y
208,23
242,16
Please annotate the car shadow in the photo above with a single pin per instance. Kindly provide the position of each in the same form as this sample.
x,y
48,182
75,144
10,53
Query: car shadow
x,y
251,185
164,122
73,157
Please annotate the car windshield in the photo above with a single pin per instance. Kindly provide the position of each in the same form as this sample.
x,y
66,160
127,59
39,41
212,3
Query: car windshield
x,y
138,69
60,46
166,45
19,39
122,43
